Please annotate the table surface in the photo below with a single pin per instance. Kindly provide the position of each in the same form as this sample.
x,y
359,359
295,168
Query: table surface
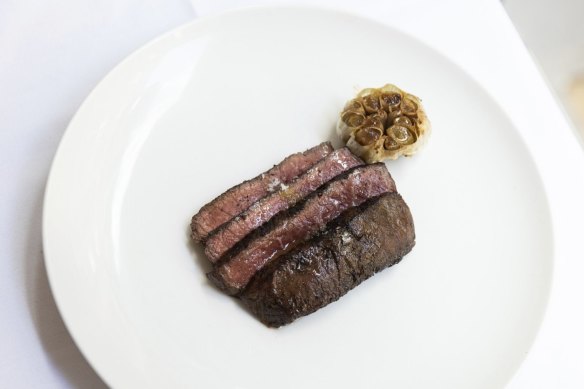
x,y
53,54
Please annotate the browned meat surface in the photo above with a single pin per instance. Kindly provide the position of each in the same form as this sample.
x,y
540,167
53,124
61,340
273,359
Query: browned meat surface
x,y
323,206
240,197
224,238
358,244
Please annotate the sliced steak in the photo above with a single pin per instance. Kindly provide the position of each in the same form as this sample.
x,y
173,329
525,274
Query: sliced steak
x,y
354,188
240,197
224,238
360,243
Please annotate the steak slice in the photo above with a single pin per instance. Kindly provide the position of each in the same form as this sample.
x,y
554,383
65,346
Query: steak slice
x,y
224,238
360,243
354,188
237,199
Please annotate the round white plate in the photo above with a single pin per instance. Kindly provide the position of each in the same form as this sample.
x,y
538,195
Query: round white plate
x,y
218,101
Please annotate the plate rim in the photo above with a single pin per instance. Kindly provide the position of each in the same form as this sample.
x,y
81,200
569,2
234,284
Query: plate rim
x,y
209,19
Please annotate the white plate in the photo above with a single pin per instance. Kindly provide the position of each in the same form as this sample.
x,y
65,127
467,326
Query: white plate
x,y
218,101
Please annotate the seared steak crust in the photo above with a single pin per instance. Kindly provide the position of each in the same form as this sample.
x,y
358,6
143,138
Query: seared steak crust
x,y
358,244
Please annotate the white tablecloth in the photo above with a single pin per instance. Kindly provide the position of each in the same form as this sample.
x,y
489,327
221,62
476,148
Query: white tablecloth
x,y
53,53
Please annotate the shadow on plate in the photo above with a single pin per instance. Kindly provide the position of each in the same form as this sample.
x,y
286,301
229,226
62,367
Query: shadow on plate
x,y
54,337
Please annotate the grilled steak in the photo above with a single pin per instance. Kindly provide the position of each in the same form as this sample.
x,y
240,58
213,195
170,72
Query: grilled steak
x,y
240,197
354,188
224,238
358,244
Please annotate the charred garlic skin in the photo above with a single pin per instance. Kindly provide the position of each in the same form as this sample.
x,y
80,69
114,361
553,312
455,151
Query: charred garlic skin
x,y
383,123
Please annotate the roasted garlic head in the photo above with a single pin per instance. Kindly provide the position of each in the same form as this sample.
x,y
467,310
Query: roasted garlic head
x,y
383,123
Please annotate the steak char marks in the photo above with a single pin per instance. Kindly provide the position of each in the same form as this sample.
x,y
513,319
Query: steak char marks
x,y
323,206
